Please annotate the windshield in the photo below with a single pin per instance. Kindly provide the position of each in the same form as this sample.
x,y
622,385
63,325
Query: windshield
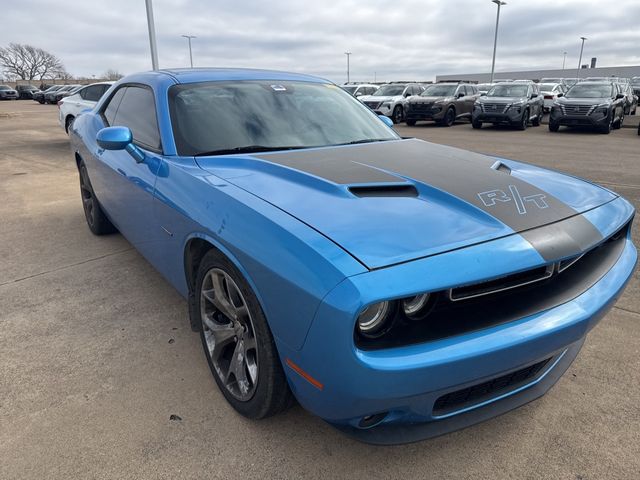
x,y
587,90
217,117
350,90
4,87
439,91
389,91
502,90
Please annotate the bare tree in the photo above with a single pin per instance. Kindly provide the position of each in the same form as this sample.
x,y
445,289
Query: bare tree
x,y
27,62
112,75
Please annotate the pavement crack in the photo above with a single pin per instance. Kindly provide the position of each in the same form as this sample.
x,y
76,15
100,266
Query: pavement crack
x,y
64,267
626,310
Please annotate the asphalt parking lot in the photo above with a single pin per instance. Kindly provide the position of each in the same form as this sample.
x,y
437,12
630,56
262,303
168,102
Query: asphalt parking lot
x,y
96,353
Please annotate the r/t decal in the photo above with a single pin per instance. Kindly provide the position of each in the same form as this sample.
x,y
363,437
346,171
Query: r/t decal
x,y
492,196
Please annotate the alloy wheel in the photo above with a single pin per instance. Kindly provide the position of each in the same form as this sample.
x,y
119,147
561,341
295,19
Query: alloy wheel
x,y
88,200
229,334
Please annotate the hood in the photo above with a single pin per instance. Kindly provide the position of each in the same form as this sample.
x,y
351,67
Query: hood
x,y
379,98
582,101
422,99
395,201
502,99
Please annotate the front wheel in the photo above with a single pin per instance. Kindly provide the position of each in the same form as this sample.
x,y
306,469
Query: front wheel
x,y
68,123
449,117
398,114
538,120
618,124
97,221
411,123
237,341
476,124
524,121
553,126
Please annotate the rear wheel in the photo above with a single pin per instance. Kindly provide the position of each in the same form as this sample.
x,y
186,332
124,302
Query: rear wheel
x,y
97,221
606,129
398,114
449,117
538,120
68,123
237,341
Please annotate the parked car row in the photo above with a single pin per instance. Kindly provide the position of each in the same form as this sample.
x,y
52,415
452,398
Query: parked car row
x,y
8,93
598,103
80,99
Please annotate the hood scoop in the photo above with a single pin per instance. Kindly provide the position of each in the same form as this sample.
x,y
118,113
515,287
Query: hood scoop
x,y
387,191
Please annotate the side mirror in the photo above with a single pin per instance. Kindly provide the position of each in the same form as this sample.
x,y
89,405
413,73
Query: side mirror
x,y
359,94
119,138
483,94
534,95
460,95
407,94
560,95
619,96
386,120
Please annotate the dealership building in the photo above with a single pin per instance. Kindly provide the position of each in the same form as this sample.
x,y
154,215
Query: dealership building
x,y
626,72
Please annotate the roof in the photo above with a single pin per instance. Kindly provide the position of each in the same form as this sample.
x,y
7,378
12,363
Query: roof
x,y
193,75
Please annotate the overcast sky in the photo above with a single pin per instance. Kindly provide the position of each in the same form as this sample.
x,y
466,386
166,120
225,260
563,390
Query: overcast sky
x,y
410,39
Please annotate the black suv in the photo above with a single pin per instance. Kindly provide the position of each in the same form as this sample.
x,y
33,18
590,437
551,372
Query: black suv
x,y
514,103
590,104
26,91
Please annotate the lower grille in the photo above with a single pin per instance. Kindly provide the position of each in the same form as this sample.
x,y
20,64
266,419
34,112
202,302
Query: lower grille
x,y
494,107
421,107
576,109
485,391
373,105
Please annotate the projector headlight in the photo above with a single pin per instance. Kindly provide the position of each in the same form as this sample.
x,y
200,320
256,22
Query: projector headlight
x,y
375,319
416,308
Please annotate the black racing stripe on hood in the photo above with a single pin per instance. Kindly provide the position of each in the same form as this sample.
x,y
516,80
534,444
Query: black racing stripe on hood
x,y
466,175
564,239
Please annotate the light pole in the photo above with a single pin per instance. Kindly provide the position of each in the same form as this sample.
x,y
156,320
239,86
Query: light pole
x,y
189,37
580,61
152,35
495,39
564,59
348,54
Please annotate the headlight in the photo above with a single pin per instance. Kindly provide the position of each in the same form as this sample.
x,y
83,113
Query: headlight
x,y
602,108
386,104
416,308
375,319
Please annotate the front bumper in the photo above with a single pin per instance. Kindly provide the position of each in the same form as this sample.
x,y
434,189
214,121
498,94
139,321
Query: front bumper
x,y
435,113
592,120
511,117
9,96
406,383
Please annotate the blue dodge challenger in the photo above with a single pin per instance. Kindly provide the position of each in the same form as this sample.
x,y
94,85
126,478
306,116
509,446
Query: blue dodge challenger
x,y
396,288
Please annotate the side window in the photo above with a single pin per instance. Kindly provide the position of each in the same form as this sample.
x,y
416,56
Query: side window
x,y
138,112
109,113
92,93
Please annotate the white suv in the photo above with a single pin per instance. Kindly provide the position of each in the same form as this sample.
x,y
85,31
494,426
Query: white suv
x,y
359,90
85,98
391,99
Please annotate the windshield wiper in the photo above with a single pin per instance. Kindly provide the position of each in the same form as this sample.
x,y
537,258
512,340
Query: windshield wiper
x,y
245,149
364,140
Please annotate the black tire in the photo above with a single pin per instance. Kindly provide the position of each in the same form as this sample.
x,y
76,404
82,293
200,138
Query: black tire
x,y
68,122
270,394
398,114
538,120
617,125
411,123
553,127
41,102
97,221
524,121
449,117
476,124
606,129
